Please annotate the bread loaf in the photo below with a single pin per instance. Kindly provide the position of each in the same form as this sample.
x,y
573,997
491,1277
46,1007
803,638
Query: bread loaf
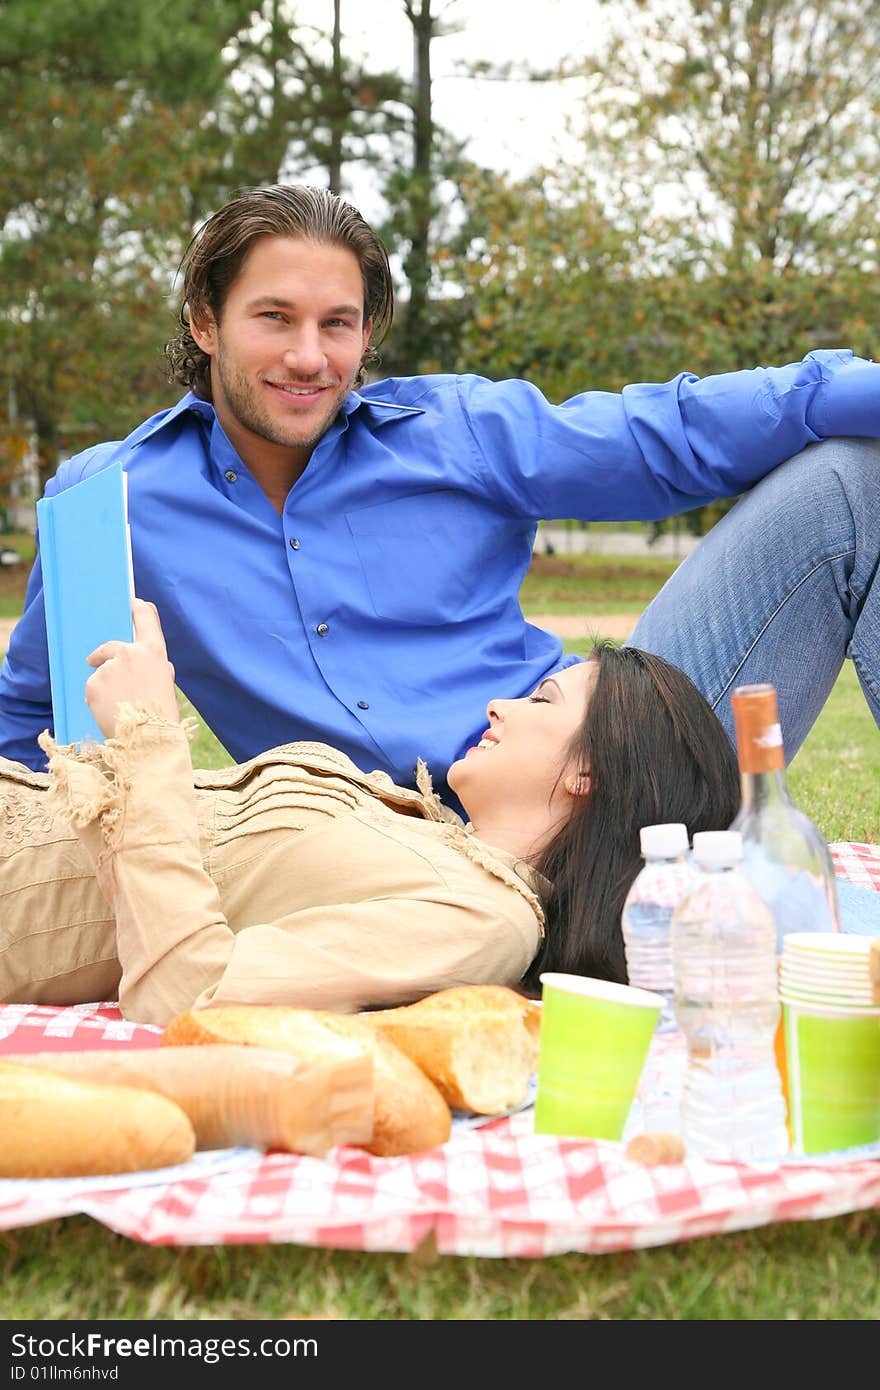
x,y
874,968
242,1095
52,1126
409,1112
477,1043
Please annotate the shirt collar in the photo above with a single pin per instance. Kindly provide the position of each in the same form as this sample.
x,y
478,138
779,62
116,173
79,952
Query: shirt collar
x,y
188,403
381,412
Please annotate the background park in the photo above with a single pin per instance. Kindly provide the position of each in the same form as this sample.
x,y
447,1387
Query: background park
x,y
719,209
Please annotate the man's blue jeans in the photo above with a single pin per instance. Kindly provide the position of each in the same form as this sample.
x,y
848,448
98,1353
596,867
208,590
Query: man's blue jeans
x,y
782,589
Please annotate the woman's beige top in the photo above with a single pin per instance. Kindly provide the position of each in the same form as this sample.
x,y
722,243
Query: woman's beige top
x,y
294,878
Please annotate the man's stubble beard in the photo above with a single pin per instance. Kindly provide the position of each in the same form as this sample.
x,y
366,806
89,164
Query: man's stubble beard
x,y
241,399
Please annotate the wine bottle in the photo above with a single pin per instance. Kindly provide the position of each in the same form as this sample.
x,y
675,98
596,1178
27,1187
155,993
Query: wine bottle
x,y
785,856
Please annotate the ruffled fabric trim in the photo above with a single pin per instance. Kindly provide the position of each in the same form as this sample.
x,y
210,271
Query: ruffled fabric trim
x,y
92,780
434,807
516,874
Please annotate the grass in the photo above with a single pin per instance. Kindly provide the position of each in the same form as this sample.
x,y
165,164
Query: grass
x,y
808,1271
593,583
814,1270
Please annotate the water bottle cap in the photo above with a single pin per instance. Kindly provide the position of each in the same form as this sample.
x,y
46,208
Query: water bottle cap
x,y
718,849
664,841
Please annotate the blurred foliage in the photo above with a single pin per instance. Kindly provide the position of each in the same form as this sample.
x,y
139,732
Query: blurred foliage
x,y
547,281
757,123
725,216
760,118
725,213
296,102
101,152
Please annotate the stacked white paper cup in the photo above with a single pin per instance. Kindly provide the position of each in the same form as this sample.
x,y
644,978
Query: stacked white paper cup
x,y
832,1041
827,968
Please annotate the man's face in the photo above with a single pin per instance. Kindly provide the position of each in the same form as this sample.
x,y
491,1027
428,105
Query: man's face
x,y
289,343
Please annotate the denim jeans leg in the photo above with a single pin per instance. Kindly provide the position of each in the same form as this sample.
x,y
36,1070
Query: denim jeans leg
x,y
782,589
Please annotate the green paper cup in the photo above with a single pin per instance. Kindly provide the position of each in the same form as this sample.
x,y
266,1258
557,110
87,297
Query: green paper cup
x,y
594,1041
833,1058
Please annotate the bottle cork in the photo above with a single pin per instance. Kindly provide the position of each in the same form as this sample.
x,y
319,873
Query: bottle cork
x,y
758,735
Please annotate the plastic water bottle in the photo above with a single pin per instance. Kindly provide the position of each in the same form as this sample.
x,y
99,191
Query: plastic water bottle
x,y
726,1002
661,883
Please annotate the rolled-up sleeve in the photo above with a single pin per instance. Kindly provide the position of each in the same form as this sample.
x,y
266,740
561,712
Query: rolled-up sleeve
x,y
657,449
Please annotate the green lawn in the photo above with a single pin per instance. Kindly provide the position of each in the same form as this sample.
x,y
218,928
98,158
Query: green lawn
x,y
815,1270
593,583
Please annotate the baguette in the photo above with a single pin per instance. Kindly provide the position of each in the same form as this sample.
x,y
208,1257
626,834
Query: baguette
x,y
477,1043
56,1127
409,1112
242,1095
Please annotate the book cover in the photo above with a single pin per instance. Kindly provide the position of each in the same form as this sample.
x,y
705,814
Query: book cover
x,y
85,554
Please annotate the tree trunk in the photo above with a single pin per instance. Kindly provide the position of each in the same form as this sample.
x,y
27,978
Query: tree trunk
x,y
417,264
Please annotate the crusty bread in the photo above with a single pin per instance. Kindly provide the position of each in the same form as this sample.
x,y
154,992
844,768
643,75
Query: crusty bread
x,y
874,968
477,1043
242,1095
55,1127
409,1112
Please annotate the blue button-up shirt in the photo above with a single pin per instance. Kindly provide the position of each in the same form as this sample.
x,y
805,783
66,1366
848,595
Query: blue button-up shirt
x,y
380,612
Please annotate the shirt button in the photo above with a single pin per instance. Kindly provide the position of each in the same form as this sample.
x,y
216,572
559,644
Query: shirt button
x,y
322,629
230,476
362,704
294,543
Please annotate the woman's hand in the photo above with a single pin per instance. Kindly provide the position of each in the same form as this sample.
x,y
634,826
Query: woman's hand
x,y
136,673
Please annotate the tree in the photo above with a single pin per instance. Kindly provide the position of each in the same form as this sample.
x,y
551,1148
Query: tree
x,y
101,149
295,101
421,185
745,132
548,289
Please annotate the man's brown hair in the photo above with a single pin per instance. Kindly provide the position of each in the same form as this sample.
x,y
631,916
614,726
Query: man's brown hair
x,y
216,253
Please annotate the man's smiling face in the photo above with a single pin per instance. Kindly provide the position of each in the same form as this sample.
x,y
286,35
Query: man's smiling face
x,y
289,343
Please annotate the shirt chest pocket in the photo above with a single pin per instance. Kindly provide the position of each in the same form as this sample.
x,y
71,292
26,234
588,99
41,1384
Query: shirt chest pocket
x,y
426,559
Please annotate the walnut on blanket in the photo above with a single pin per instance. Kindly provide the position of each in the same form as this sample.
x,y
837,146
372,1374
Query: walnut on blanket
x,y
655,1147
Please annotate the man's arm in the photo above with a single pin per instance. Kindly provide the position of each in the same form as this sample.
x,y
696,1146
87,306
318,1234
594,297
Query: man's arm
x,y
657,449
25,693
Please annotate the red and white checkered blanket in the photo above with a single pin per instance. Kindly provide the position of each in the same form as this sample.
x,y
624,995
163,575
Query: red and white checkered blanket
x,y
495,1190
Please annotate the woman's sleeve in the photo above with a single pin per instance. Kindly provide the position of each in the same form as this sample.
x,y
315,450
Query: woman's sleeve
x,y
134,808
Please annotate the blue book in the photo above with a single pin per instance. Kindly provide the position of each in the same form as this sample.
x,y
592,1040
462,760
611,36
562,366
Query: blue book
x,y
85,554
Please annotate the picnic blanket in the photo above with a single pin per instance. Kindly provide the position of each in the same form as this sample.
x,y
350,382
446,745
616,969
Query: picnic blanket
x,y
494,1189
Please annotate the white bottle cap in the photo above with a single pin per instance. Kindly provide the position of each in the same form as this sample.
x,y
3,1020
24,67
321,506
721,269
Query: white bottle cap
x,y
718,849
663,841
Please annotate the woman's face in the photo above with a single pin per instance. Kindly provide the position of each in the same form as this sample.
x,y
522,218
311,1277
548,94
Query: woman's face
x,y
522,752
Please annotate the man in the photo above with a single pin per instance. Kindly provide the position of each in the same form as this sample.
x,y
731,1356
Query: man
x,y
343,565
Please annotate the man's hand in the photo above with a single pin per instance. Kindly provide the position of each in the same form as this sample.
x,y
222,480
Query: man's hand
x,y
136,673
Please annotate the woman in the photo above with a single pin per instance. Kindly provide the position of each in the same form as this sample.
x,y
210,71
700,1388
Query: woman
x,y
296,878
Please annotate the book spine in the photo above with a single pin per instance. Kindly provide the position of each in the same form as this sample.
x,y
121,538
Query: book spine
x,y
52,605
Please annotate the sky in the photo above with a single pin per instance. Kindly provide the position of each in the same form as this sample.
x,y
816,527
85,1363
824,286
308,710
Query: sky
x,y
510,126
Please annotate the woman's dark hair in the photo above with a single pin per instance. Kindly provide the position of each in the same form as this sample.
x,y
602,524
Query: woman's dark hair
x,y
656,753
216,253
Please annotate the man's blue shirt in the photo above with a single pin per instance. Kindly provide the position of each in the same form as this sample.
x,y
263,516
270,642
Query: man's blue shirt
x,y
380,612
